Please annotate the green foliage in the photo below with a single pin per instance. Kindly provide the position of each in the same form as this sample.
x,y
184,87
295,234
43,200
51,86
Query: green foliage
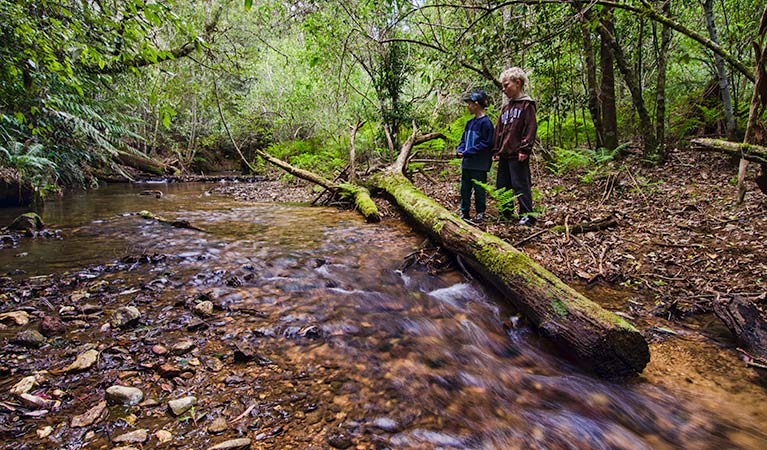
x,y
309,155
564,159
504,198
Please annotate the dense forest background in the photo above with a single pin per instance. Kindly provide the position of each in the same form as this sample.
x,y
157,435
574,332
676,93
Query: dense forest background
x,y
90,88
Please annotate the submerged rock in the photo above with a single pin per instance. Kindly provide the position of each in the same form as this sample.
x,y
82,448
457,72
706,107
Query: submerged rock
x,y
124,395
125,316
232,444
182,405
27,222
133,437
29,339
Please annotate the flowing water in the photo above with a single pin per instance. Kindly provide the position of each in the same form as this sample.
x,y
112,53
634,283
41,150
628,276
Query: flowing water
x,y
346,349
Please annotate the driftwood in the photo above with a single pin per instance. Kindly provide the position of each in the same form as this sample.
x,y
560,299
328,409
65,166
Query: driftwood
x,y
174,223
746,321
144,164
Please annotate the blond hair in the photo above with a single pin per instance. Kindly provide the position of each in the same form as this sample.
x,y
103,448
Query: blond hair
x,y
515,74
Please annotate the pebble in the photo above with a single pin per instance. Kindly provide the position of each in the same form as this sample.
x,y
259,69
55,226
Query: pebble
x,y
124,395
159,350
340,440
51,326
133,437
44,432
219,425
183,347
20,318
386,424
204,309
30,339
164,436
182,405
125,316
231,444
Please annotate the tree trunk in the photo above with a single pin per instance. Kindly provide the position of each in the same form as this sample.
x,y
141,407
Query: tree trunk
x,y
746,321
660,90
753,153
607,88
144,164
591,81
629,76
724,84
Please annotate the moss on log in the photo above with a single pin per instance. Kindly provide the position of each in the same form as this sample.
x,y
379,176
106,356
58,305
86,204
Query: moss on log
x,y
362,201
601,340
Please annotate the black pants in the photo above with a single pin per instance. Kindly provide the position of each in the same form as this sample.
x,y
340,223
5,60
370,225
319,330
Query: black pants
x,y
514,174
467,184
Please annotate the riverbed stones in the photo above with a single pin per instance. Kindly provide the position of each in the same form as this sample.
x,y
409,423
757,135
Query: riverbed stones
x,y
89,417
181,405
124,317
20,318
339,440
134,437
386,424
124,395
51,326
183,347
84,361
24,385
218,426
27,222
232,444
30,339
204,309
163,436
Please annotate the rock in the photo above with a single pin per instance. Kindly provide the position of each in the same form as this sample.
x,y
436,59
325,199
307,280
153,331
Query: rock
x,y
24,385
39,402
124,395
128,447
204,309
83,361
125,316
159,350
30,339
182,405
20,318
51,326
163,436
219,425
183,347
44,432
169,370
133,437
27,222
244,352
386,424
232,444
196,325
339,440
89,417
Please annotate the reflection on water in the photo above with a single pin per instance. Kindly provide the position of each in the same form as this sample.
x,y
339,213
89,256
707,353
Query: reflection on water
x,y
419,361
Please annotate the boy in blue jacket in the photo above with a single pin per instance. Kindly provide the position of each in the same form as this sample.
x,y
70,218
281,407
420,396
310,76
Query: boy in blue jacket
x,y
475,149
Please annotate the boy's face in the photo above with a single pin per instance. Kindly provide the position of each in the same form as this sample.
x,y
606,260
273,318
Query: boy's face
x,y
473,106
512,88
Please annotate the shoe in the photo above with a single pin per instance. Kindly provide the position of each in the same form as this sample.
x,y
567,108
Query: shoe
x,y
527,221
479,218
464,216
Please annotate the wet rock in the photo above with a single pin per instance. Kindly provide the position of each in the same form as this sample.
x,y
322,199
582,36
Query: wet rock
x,y
83,361
218,426
51,326
25,385
168,370
124,395
27,222
204,309
89,417
159,350
133,437
339,440
20,318
182,405
44,432
29,339
124,317
183,347
232,444
196,324
244,352
128,447
39,402
386,424
163,436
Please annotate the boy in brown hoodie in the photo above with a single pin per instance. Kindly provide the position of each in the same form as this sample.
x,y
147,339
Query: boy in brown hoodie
x,y
513,142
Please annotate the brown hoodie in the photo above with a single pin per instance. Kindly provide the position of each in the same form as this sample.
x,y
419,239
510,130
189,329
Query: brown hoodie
x,y
516,129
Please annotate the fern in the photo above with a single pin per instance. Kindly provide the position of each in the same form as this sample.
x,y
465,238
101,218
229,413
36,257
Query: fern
x,y
504,198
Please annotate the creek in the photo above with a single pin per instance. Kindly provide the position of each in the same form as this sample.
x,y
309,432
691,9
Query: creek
x,y
318,336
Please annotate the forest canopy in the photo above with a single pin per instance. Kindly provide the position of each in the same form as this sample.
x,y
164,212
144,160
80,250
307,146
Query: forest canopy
x,y
88,85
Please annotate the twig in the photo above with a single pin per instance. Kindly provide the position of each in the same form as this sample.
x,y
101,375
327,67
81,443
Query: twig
x,y
672,244
532,236
244,413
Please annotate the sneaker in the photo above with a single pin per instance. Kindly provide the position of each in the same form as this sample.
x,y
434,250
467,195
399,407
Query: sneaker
x,y
479,218
527,221
464,216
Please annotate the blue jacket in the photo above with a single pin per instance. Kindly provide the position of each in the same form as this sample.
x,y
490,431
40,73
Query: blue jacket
x,y
476,144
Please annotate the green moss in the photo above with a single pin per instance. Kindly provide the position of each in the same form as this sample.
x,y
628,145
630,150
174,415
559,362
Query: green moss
x,y
559,307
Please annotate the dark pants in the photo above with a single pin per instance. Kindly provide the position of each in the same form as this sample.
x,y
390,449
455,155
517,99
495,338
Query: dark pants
x,y
467,184
515,174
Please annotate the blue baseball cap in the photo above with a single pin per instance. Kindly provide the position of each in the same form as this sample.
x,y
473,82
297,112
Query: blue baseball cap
x,y
478,96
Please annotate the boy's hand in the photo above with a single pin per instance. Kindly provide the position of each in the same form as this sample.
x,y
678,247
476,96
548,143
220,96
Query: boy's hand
x,y
522,157
460,155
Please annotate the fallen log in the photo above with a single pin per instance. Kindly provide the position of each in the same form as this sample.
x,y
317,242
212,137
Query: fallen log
x,y
749,152
601,340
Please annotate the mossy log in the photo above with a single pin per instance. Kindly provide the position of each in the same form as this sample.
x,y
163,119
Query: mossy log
x,y
753,153
599,339
146,165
